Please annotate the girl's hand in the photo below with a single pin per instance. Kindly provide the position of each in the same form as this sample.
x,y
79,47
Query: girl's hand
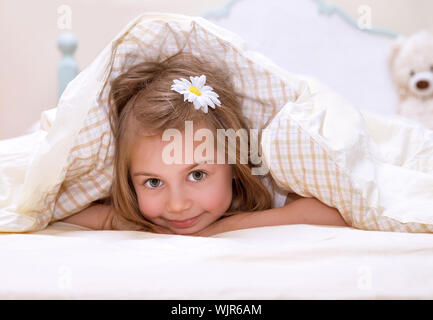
x,y
301,211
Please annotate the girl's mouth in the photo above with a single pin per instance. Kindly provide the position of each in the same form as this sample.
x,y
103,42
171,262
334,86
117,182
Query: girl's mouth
x,y
184,223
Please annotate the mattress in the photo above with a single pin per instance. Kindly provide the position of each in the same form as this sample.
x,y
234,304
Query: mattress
x,y
66,261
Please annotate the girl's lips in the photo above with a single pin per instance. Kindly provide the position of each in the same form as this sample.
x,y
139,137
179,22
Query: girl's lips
x,y
184,223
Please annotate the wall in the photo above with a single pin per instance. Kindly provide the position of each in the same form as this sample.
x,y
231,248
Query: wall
x,y
402,16
29,54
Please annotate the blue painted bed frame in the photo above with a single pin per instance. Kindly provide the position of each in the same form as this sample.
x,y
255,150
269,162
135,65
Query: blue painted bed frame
x,y
67,42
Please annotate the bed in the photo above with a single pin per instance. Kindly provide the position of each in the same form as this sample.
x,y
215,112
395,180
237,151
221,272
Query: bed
x,y
65,261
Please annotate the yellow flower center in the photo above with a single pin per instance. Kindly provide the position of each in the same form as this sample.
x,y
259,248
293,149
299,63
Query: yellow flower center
x,y
195,91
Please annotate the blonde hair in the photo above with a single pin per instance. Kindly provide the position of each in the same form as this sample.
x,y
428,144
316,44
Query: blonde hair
x,y
140,101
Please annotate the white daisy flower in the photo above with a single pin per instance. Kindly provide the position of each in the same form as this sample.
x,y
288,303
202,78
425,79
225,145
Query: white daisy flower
x,y
196,92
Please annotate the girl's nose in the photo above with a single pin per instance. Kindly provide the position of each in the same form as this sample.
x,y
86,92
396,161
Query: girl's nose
x,y
178,201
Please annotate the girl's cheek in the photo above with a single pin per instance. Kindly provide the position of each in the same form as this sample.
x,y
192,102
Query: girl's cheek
x,y
150,206
218,199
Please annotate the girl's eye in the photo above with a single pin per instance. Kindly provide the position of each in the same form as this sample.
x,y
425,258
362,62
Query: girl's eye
x,y
197,175
153,183
412,73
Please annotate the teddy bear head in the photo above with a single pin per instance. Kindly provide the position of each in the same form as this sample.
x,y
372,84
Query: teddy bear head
x,y
411,65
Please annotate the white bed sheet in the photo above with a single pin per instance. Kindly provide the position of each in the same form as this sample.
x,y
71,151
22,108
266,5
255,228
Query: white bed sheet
x,y
282,262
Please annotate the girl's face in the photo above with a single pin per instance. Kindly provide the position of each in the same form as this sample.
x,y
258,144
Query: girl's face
x,y
184,198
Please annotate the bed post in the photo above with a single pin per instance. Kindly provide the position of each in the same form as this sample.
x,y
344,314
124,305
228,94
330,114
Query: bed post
x,y
67,68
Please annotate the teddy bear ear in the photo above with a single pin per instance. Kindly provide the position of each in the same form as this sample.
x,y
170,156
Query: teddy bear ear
x,y
396,45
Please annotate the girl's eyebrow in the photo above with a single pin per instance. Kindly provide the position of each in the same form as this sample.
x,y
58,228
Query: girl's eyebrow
x,y
141,173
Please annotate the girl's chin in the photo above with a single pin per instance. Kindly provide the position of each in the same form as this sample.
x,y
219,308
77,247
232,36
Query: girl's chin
x,y
189,230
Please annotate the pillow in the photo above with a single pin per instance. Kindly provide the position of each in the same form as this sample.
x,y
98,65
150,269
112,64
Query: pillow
x,y
314,143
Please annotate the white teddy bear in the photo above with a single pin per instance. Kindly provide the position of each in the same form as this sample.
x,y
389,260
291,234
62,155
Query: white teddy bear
x,y
411,66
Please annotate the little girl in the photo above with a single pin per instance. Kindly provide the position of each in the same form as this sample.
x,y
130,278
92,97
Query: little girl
x,y
201,198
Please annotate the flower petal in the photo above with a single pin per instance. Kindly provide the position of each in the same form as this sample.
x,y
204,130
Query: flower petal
x,y
194,81
209,101
185,82
212,94
206,89
197,104
191,97
201,81
198,82
178,88
216,101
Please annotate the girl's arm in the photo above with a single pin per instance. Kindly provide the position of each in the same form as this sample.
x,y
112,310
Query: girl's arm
x,y
97,217
301,211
